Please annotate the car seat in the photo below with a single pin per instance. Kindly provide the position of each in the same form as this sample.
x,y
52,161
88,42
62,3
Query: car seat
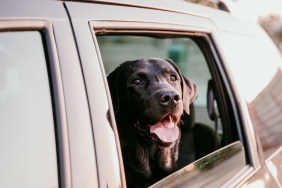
x,y
197,139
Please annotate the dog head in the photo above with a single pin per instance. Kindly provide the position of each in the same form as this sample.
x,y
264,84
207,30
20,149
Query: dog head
x,y
151,94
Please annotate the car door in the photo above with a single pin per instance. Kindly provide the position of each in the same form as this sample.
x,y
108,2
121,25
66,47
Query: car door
x,y
185,34
46,134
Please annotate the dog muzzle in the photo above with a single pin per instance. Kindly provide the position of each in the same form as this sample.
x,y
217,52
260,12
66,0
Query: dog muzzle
x,y
167,130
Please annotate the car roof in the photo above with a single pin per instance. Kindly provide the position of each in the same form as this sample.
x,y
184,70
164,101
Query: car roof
x,y
167,5
221,19
224,20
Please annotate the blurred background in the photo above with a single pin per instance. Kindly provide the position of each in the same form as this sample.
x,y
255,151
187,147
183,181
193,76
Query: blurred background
x,y
267,13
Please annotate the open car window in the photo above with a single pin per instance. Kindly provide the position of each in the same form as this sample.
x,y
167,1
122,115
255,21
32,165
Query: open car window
x,y
182,50
209,135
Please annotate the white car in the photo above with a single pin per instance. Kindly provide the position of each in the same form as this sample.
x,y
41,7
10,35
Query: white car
x,y
57,123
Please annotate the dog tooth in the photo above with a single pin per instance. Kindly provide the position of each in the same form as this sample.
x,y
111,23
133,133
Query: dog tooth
x,y
171,123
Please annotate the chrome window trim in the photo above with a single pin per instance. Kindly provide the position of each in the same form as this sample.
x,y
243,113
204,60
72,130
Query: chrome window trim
x,y
102,27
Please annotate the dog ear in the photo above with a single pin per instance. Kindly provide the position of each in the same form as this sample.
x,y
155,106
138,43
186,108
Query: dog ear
x,y
113,82
189,93
189,89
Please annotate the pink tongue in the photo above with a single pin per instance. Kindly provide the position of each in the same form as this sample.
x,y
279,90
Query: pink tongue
x,y
165,130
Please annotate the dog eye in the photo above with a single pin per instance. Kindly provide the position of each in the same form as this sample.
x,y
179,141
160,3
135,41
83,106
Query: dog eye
x,y
173,78
137,82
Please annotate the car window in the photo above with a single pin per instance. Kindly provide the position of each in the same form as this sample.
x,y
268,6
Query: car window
x,y
264,99
209,122
183,51
27,137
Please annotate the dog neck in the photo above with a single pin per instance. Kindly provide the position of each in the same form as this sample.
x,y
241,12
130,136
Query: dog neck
x,y
145,162
149,158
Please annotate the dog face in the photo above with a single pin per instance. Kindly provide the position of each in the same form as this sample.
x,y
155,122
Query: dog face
x,y
151,95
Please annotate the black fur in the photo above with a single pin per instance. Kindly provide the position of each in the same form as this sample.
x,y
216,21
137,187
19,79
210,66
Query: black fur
x,y
145,92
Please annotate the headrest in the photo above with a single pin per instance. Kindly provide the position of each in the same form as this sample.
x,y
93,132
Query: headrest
x,y
211,98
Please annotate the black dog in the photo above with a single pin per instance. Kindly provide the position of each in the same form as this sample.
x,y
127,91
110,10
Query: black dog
x,y
149,96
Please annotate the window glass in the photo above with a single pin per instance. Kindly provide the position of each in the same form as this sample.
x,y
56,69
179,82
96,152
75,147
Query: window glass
x,y
27,138
262,89
225,163
265,112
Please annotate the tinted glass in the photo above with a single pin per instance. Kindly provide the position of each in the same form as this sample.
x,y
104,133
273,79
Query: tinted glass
x,y
259,78
27,138
266,113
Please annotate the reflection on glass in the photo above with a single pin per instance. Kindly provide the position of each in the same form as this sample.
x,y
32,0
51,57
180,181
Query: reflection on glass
x,y
225,162
27,139
266,115
274,165
272,168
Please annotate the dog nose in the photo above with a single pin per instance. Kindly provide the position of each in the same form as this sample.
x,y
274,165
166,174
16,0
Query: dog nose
x,y
169,98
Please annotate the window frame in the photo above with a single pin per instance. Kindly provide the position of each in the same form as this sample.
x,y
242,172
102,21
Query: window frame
x,y
231,92
211,53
